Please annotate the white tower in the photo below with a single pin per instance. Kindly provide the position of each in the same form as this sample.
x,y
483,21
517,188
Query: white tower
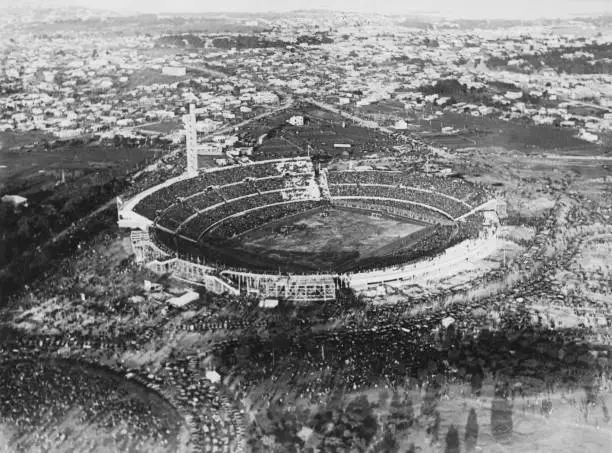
x,y
191,135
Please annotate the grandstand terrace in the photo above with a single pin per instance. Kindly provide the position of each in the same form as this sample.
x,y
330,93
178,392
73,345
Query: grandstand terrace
x,y
193,217
456,195
186,188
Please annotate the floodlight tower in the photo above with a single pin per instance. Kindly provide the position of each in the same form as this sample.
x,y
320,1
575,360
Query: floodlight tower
x,y
191,135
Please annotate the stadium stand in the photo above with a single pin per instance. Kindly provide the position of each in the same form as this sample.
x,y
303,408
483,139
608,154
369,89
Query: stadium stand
x,y
192,216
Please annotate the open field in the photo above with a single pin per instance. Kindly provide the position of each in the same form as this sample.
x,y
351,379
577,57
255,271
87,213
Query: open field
x,y
35,168
484,131
320,243
145,77
163,127
10,140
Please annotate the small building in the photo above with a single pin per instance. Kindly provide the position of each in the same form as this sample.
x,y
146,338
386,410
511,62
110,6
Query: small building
x,y
15,200
268,303
296,120
213,376
400,124
185,299
514,95
175,71
210,149
588,136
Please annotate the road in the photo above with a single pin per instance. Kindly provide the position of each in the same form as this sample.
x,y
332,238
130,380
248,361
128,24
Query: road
x,y
356,119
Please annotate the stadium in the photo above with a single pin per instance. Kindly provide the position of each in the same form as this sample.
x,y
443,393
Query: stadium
x,y
289,229
294,229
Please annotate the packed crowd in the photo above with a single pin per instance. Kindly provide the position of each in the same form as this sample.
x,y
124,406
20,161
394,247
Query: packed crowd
x,y
238,225
472,194
41,393
503,311
358,358
216,424
195,227
177,213
323,135
445,204
397,208
166,196
428,243
381,344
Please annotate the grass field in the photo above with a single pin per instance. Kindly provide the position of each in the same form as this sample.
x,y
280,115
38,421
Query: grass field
x,y
146,77
163,127
320,243
30,169
482,132
9,139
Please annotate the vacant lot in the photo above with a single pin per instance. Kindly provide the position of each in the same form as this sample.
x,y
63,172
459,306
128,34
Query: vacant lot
x,y
33,170
9,140
518,135
163,127
147,77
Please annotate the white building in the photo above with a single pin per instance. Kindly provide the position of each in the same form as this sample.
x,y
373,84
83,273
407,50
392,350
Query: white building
x,y
15,200
265,97
297,120
210,149
185,299
176,71
400,124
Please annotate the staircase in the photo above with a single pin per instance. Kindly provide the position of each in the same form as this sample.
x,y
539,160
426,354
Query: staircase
x,y
218,192
323,187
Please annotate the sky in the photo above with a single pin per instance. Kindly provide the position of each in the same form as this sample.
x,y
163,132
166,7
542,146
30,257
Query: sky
x,y
473,9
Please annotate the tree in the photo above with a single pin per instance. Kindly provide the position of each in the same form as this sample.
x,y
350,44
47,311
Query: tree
x,y
401,414
383,397
476,381
501,414
452,440
471,432
388,444
350,428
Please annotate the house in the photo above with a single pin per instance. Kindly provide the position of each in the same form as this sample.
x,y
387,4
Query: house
x,y
588,136
187,298
210,149
296,120
514,95
175,71
265,97
400,124
15,200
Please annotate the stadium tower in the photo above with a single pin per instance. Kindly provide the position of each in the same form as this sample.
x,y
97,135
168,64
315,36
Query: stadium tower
x,y
191,136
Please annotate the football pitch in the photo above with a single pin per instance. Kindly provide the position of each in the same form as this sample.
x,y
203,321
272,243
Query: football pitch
x,y
321,240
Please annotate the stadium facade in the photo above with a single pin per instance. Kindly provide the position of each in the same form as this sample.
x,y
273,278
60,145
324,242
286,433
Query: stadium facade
x,y
177,224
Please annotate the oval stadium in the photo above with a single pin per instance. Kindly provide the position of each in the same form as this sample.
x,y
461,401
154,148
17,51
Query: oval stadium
x,y
292,229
